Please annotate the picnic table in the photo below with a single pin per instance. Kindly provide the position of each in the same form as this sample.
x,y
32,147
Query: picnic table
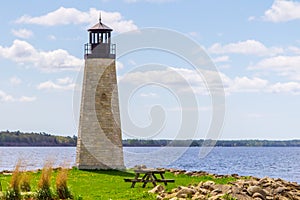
x,y
149,176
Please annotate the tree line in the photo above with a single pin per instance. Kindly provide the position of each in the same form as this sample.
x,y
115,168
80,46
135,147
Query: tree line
x,y
17,138
208,143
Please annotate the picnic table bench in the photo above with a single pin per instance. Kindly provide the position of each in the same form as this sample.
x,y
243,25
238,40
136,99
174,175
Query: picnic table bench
x,y
149,176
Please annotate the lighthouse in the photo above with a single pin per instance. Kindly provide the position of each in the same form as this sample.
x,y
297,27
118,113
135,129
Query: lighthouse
x,y
99,144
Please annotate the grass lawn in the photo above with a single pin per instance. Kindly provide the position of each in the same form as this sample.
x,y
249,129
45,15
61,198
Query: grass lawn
x,y
109,184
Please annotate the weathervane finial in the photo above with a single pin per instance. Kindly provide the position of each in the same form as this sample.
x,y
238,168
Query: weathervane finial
x,y
100,17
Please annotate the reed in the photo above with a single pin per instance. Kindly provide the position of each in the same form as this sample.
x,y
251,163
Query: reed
x,y
44,185
14,192
62,189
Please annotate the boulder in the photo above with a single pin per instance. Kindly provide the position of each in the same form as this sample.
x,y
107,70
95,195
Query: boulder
x,y
279,190
217,197
209,185
185,191
221,188
256,189
140,167
157,189
258,195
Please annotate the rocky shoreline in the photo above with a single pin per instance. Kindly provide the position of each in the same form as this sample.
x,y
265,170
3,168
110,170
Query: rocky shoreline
x,y
244,188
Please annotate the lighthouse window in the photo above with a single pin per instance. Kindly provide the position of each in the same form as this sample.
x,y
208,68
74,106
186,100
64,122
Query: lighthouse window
x,y
103,96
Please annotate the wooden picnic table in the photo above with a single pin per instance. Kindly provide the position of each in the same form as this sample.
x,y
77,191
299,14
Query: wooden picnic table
x,y
147,176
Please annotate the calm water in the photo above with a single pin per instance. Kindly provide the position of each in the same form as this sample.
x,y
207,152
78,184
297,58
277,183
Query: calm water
x,y
282,162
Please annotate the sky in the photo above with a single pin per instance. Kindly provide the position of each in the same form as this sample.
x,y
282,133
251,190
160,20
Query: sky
x,y
254,45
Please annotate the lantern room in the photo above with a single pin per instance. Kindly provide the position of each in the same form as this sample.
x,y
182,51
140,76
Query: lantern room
x,y
100,45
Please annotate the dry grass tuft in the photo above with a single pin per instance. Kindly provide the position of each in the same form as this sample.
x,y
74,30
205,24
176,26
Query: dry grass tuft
x,y
14,192
62,189
45,180
44,191
16,177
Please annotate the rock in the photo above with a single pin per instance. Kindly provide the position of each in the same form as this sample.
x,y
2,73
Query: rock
x,y
170,196
184,196
289,195
242,197
198,197
216,197
174,190
188,173
258,195
235,175
216,191
267,184
256,189
279,190
157,189
245,188
177,173
203,191
185,192
140,167
221,188
209,185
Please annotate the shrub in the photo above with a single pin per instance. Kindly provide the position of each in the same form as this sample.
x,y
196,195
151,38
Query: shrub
x,y
62,189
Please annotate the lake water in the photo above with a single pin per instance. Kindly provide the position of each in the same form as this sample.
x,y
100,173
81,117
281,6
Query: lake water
x,y
277,162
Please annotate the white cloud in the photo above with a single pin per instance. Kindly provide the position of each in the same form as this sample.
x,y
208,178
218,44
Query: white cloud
x,y
4,97
27,99
60,84
286,66
24,53
245,84
66,80
283,10
147,95
289,87
248,47
251,18
15,81
294,50
63,16
186,80
52,37
22,33
221,59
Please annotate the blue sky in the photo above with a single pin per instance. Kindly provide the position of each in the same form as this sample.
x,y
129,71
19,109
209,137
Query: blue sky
x,y
255,45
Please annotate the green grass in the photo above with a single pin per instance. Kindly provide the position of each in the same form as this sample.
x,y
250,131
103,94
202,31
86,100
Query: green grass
x,y
109,184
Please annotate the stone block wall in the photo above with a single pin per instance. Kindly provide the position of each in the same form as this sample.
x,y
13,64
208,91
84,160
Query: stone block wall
x,y
99,143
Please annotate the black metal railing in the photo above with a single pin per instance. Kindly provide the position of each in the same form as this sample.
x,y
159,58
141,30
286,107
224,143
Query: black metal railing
x,y
100,50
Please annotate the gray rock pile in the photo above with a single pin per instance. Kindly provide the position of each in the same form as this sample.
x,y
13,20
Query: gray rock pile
x,y
243,189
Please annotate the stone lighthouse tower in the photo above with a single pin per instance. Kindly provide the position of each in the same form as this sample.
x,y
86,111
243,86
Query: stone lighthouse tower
x,y
99,143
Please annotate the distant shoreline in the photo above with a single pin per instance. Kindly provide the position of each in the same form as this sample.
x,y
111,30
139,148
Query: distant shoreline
x,y
19,139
